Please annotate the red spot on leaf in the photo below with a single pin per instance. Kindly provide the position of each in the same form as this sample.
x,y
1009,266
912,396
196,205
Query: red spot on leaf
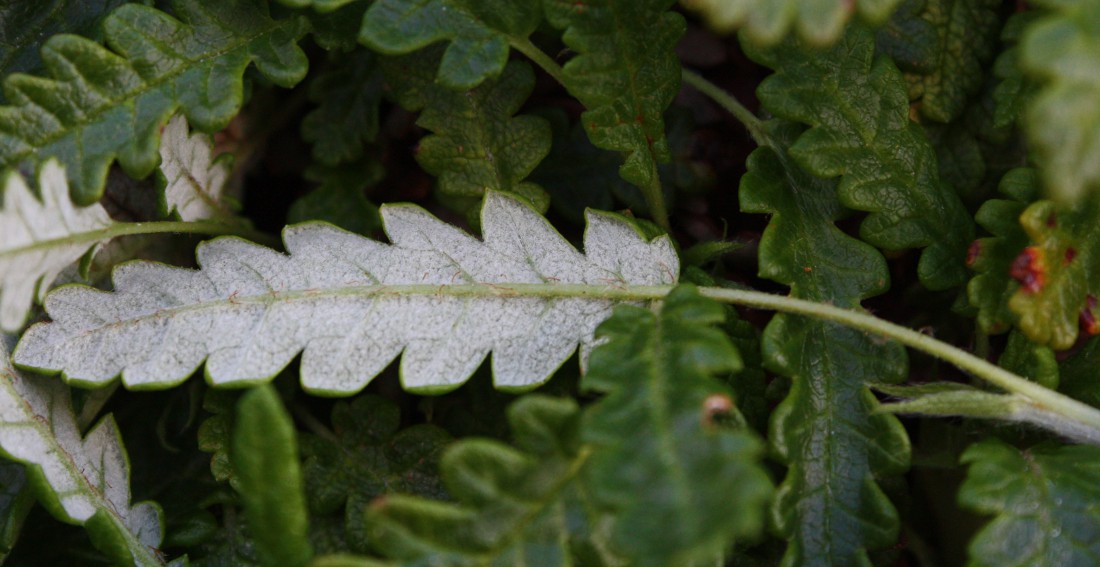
x,y
1088,317
1052,220
1071,253
973,252
1029,268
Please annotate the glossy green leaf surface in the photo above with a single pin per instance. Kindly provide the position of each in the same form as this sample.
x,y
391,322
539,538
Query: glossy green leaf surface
x,y
265,456
625,72
95,105
992,257
24,24
829,507
478,31
767,22
858,111
1062,51
663,414
477,142
510,502
1041,500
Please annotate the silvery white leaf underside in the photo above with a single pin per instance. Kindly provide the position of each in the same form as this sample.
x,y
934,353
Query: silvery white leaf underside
x,y
351,305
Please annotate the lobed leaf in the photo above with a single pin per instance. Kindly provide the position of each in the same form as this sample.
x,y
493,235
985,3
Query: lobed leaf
x,y
626,74
963,40
829,507
1062,51
195,182
510,506
323,6
96,104
265,457
24,24
767,22
338,197
1014,90
992,257
39,239
367,459
1041,499
663,415
479,32
1059,274
84,481
860,131
477,144
347,94
352,304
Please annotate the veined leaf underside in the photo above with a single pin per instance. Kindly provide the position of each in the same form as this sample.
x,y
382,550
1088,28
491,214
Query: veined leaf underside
x,y
351,305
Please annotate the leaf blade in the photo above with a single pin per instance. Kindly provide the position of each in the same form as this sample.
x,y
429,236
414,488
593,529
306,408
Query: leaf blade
x,y
256,297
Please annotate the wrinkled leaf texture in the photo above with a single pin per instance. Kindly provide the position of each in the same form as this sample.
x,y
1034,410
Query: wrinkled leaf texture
x,y
626,74
1042,501
992,256
766,22
97,104
353,305
659,447
858,110
476,145
829,507
478,33
510,503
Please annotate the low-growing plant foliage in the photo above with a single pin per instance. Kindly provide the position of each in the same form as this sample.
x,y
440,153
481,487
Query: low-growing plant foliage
x,y
549,282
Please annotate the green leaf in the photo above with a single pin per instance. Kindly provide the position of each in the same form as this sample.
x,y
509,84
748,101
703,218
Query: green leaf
x,y
80,480
436,296
829,507
626,74
214,435
1043,503
1034,362
323,6
477,144
1014,91
766,22
339,197
39,239
964,42
24,24
369,458
265,456
16,500
347,94
663,415
510,503
1062,52
992,257
96,105
886,165
479,32
1059,274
